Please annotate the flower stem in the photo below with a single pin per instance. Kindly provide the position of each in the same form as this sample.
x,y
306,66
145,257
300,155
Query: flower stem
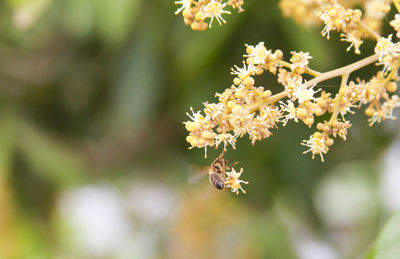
x,y
308,70
335,113
322,77
369,30
392,73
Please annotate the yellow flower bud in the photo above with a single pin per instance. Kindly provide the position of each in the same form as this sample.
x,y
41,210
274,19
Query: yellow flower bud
x,y
267,93
189,126
309,121
329,142
332,12
230,105
278,54
391,87
239,94
259,70
369,111
201,142
236,81
317,134
301,113
194,142
207,135
195,26
187,13
203,26
189,139
188,21
319,111
248,82
199,16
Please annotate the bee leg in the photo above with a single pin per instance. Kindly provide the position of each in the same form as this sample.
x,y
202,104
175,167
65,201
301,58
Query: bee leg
x,y
222,154
232,165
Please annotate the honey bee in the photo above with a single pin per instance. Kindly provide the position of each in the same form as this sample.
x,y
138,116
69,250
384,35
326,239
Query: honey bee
x,y
217,169
216,172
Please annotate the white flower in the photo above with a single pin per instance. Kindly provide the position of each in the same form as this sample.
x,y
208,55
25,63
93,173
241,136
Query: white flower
x,y
225,138
304,94
385,47
317,145
299,60
385,111
232,181
354,40
258,54
290,110
243,72
214,9
195,116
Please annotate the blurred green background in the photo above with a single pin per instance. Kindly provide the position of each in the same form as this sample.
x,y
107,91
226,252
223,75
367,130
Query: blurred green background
x,y
93,158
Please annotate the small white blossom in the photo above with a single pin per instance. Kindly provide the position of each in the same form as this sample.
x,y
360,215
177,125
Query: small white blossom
x,y
215,9
304,94
232,181
243,72
258,54
225,138
317,145
299,61
290,110
354,40
385,47
385,111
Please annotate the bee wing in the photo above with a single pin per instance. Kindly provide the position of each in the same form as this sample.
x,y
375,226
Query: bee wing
x,y
197,173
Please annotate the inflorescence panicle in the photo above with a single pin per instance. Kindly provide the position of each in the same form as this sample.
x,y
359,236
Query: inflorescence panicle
x,y
246,109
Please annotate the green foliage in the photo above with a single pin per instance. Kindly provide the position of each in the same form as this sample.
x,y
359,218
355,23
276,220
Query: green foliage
x,y
387,243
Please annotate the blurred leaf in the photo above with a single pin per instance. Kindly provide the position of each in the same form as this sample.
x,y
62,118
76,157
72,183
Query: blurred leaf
x,y
137,83
50,159
78,17
28,12
114,19
387,244
198,49
7,137
308,40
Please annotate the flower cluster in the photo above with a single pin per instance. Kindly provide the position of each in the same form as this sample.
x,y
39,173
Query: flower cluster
x,y
303,12
338,17
195,13
239,110
247,109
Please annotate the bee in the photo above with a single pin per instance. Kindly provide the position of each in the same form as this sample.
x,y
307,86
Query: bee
x,y
216,172
217,169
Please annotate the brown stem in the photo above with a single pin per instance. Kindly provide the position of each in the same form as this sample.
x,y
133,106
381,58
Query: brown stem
x,y
322,77
369,30
343,70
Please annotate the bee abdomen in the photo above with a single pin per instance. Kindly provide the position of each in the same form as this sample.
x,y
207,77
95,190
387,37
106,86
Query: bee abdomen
x,y
218,181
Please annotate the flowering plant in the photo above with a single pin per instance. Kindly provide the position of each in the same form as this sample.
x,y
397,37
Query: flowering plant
x,y
247,109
